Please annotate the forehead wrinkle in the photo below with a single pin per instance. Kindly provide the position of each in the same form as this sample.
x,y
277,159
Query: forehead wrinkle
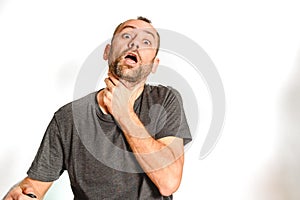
x,y
134,27
127,26
150,33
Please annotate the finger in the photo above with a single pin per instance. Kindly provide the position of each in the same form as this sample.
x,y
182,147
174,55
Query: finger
x,y
28,191
109,84
114,80
107,103
7,197
105,100
31,195
26,197
21,197
15,193
107,94
112,75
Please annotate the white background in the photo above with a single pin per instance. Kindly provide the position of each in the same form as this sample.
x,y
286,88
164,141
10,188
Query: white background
x,y
254,45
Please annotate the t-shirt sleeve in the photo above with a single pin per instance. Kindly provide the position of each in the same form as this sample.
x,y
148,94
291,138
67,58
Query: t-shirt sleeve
x,y
172,121
48,165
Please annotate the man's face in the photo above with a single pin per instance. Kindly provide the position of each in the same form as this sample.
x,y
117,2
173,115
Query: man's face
x,y
131,55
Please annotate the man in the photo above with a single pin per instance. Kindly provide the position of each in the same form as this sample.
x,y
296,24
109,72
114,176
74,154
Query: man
x,y
122,142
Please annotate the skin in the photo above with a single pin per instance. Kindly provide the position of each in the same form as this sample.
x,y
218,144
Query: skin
x,y
161,159
139,38
28,186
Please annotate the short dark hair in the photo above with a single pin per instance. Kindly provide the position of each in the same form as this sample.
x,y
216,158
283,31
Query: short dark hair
x,y
145,20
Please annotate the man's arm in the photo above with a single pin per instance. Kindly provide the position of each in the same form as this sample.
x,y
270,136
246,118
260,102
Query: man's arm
x,y
161,159
28,186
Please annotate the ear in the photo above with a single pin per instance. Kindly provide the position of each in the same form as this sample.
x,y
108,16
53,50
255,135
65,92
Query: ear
x,y
106,52
155,65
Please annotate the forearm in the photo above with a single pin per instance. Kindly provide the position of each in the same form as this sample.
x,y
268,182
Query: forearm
x,y
154,154
162,160
160,164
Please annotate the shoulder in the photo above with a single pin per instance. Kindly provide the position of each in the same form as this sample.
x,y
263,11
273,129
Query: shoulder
x,y
67,111
160,92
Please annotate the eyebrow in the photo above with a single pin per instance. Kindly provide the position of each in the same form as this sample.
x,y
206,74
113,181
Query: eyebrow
x,y
133,27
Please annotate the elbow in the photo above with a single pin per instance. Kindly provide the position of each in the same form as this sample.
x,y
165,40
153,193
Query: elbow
x,y
166,192
169,187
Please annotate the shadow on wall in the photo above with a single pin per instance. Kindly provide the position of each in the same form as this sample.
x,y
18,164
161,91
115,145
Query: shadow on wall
x,y
281,178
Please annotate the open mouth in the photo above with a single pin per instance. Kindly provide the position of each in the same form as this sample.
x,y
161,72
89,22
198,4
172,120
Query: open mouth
x,y
132,58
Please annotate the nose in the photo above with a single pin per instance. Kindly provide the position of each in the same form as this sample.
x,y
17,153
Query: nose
x,y
133,44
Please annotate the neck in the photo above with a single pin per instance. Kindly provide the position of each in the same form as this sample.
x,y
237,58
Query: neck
x,y
133,85
102,106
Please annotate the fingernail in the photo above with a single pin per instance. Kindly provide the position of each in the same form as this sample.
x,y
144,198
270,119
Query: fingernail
x,y
31,195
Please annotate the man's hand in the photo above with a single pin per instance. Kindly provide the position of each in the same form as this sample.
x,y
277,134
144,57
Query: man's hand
x,y
119,98
28,189
16,193
162,160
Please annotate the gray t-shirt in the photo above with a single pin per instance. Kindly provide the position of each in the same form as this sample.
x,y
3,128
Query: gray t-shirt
x,y
92,148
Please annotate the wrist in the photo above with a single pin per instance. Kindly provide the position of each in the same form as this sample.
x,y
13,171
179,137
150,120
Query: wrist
x,y
132,127
127,117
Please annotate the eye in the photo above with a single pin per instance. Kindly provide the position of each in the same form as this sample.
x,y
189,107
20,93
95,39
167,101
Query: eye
x,y
147,42
126,36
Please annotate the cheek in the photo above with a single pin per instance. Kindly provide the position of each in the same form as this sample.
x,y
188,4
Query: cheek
x,y
148,55
114,53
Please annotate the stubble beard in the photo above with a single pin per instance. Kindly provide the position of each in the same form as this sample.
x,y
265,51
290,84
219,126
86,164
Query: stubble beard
x,y
132,76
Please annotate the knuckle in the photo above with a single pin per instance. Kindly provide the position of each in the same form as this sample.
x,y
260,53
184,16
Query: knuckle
x,y
19,197
104,99
106,93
